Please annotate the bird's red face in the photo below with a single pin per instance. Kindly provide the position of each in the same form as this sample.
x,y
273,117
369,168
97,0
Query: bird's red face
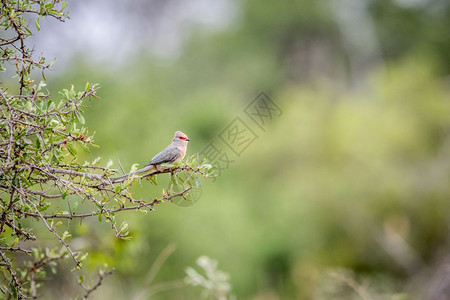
x,y
180,137
183,138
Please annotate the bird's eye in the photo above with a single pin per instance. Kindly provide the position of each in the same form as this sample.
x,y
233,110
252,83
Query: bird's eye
x,y
181,138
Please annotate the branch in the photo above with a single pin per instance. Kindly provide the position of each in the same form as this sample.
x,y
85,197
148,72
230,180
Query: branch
x,y
19,231
52,230
101,276
158,170
143,204
18,249
91,176
14,280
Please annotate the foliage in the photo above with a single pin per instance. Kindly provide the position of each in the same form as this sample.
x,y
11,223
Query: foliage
x,y
41,139
352,181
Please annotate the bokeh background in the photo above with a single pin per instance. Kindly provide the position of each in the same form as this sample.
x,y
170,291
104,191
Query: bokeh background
x,y
346,195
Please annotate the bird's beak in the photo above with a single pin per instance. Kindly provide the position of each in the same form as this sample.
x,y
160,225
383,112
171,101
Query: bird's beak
x,y
187,139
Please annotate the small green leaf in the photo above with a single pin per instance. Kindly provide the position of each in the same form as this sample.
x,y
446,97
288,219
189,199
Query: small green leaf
x,y
71,148
80,117
26,181
134,167
15,242
13,290
28,30
35,252
152,179
65,235
83,257
43,206
206,166
38,27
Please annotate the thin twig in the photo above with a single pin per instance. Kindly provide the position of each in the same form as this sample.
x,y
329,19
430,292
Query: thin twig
x,y
101,276
52,230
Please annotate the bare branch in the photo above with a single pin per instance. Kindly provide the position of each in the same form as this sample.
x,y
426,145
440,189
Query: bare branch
x,y
101,276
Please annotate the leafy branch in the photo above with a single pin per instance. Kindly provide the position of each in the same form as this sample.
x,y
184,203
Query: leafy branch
x,y
41,137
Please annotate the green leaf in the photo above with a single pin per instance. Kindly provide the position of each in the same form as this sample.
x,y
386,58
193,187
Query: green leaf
x,y
83,257
38,143
95,161
35,253
43,206
80,117
152,179
38,27
133,167
16,240
123,227
71,93
206,166
51,106
13,290
72,149
85,148
28,30
65,235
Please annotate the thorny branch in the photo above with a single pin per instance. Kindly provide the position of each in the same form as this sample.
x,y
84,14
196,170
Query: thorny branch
x,y
40,137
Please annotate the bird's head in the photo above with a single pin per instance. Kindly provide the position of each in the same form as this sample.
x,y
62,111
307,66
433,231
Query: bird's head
x,y
180,138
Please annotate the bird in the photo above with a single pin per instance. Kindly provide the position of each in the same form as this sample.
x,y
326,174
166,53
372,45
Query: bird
x,y
174,152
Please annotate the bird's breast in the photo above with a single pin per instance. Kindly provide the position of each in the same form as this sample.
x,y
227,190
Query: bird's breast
x,y
182,153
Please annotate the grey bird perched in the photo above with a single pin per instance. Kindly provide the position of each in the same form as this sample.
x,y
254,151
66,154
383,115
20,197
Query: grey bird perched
x,y
172,153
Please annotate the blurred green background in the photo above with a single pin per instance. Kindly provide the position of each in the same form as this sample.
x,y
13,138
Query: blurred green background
x,y
346,195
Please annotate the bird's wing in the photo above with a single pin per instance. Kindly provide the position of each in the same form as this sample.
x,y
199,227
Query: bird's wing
x,y
168,155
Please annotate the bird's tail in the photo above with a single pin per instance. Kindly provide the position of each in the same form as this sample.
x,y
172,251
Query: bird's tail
x,y
146,168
